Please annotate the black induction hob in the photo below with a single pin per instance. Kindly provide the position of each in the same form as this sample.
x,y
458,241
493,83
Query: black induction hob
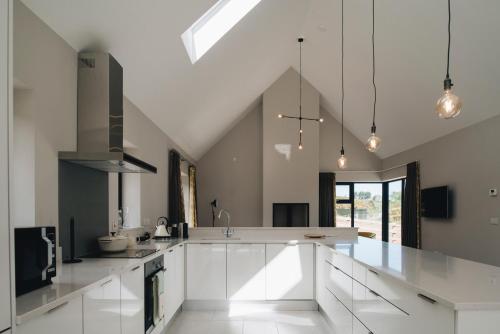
x,y
126,254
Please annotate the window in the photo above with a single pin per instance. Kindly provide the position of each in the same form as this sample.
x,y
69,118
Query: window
x,y
214,24
368,208
395,209
129,199
372,207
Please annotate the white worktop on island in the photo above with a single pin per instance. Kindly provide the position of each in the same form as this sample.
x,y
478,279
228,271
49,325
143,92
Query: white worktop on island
x,y
460,284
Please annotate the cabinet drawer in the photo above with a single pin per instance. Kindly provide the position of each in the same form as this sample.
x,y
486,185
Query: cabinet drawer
x,y
358,327
377,314
340,284
359,272
341,261
65,318
339,316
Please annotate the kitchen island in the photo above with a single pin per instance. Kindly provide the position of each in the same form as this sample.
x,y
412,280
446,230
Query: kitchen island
x,y
357,283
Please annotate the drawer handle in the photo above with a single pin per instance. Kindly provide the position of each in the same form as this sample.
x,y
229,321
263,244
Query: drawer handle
x,y
373,271
427,299
170,250
57,307
107,282
181,245
373,293
135,268
164,270
336,268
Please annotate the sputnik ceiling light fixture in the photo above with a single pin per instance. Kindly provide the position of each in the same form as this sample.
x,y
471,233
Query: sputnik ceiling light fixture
x,y
301,118
342,161
373,142
449,105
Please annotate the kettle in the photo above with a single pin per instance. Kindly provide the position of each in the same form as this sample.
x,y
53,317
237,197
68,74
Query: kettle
x,y
161,228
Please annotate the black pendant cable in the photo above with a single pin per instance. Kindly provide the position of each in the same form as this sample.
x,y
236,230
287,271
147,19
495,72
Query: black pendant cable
x,y
300,118
342,161
449,105
373,142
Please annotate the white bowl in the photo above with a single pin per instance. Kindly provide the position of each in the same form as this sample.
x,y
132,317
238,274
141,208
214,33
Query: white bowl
x,y
116,243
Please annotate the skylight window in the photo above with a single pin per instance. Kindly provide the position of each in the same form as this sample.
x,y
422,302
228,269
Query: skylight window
x,y
214,24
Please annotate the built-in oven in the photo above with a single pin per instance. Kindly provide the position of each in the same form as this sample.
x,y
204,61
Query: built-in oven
x,y
154,275
35,257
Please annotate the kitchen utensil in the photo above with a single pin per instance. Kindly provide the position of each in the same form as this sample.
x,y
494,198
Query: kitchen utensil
x,y
113,243
161,228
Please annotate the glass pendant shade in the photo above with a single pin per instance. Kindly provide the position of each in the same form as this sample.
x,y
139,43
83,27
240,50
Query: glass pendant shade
x,y
449,105
342,162
373,143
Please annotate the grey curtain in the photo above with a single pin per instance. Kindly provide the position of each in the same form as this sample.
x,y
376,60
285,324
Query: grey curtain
x,y
176,212
326,199
411,228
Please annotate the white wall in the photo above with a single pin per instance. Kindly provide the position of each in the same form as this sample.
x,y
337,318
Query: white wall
x,y
290,175
47,66
151,145
358,158
231,172
469,162
6,97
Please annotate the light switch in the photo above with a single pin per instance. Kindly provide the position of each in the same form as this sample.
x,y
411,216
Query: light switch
x,y
493,192
494,221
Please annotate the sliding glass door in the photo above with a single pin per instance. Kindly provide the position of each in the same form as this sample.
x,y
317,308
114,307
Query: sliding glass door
x,y
368,208
373,207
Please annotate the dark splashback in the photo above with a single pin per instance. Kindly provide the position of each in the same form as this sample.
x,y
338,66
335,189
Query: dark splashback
x,y
83,194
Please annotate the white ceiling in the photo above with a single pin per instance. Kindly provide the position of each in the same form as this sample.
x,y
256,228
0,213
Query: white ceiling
x,y
196,104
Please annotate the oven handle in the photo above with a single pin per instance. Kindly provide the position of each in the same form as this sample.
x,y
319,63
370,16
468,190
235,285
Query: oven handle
x,y
49,253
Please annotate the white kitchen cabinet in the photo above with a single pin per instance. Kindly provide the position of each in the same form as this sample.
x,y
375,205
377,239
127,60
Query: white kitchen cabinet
x,y
169,294
246,271
101,308
340,317
180,268
132,300
289,271
64,318
206,271
321,253
359,328
340,284
378,314
174,281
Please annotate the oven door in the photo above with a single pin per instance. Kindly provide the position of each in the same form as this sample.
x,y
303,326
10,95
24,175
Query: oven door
x,y
154,301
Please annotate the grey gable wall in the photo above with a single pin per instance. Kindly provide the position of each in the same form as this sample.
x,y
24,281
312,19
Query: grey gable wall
x,y
468,161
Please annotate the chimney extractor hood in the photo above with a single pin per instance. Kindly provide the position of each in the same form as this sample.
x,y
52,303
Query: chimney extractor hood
x,y
100,118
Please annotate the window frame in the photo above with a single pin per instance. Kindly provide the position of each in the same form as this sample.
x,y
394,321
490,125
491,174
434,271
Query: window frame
x,y
385,201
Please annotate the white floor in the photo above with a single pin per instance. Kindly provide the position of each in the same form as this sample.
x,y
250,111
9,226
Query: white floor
x,y
254,322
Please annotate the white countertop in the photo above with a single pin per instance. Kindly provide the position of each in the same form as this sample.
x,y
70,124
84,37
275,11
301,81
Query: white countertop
x,y
461,284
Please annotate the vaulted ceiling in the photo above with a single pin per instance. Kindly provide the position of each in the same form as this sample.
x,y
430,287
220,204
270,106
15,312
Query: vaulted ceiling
x,y
196,104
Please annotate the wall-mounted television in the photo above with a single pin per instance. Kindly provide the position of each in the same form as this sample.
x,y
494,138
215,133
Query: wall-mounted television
x,y
436,202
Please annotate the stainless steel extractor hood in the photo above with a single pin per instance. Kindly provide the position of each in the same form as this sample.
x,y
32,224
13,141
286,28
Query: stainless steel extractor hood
x,y
100,118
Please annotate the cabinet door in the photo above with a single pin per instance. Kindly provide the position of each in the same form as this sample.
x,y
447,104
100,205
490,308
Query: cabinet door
x,y
340,284
378,314
206,271
179,276
169,285
340,317
289,271
246,271
101,308
358,327
320,275
65,318
132,294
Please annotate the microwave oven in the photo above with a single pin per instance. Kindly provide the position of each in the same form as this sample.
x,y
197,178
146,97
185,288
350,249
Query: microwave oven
x,y
35,257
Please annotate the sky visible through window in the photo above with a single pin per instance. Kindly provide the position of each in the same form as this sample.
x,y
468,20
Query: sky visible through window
x,y
214,24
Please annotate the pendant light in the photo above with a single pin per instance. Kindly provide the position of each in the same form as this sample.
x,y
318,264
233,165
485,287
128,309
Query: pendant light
x,y
449,105
300,118
373,142
342,161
